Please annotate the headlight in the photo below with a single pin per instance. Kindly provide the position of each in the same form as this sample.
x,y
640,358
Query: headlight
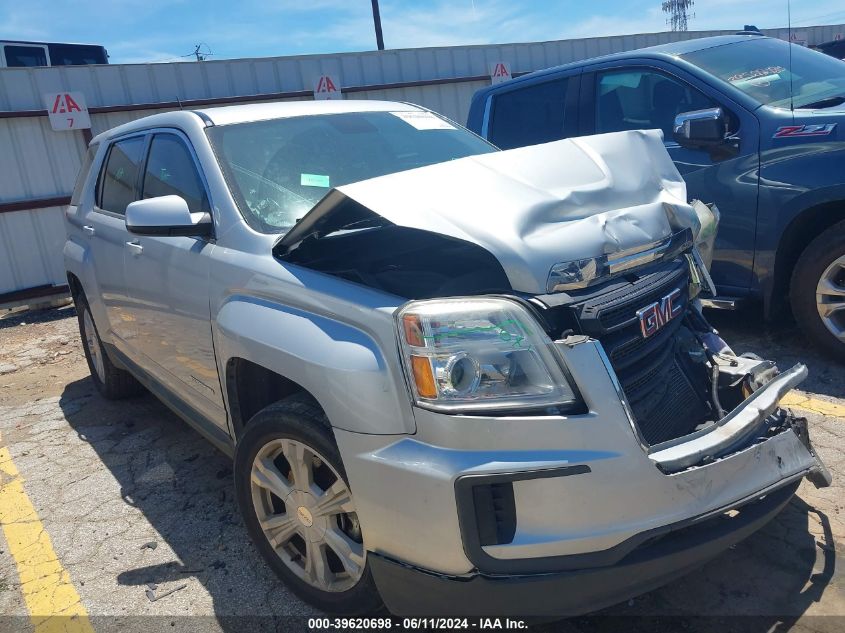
x,y
479,353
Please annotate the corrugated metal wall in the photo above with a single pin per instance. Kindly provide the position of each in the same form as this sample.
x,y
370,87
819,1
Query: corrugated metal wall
x,y
37,163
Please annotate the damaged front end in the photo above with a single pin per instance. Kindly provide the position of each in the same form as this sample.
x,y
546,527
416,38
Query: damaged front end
x,y
601,245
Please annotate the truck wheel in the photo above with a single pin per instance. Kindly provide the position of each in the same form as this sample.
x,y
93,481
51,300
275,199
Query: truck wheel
x,y
817,291
112,382
298,509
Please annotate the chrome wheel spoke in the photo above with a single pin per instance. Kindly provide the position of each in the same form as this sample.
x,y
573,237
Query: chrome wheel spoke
x,y
316,567
350,553
266,475
830,298
301,464
314,531
336,500
279,528
829,288
827,309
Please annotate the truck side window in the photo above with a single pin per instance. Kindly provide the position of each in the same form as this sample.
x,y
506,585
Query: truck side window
x,y
117,181
21,56
171,171
528,116
643,99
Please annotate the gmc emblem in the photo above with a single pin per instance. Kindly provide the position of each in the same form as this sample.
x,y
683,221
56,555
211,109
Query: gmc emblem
x,y
655,316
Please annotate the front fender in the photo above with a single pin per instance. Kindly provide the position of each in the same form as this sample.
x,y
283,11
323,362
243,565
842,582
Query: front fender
x,y
340,365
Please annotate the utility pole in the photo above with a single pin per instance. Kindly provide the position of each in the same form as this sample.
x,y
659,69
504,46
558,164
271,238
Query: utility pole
x,y
377,24
678,11
200,56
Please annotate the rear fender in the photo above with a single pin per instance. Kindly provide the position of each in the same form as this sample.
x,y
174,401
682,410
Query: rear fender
x,y
78,262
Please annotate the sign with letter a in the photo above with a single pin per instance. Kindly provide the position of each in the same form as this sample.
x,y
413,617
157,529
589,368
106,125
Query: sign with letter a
x,y
67,111
499,72
327,87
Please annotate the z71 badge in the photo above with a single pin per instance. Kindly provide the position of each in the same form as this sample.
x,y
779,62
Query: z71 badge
x,y
818,129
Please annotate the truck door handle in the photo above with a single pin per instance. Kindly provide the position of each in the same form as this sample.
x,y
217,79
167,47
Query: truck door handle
x,y
135,247
89,230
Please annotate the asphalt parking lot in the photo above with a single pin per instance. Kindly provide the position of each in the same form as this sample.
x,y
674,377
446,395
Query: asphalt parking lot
x,y
127,503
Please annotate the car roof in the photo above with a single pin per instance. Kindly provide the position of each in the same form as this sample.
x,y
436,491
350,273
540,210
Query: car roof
x,y
227,115
672,49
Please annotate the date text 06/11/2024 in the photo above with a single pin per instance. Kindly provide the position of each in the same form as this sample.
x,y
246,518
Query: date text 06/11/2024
x,y
416,623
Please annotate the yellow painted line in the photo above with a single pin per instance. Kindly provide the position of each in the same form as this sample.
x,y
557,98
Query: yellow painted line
x,y
52,601
801,400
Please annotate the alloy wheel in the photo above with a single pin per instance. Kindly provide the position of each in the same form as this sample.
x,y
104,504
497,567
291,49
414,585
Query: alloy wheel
x,y
306,512
830,298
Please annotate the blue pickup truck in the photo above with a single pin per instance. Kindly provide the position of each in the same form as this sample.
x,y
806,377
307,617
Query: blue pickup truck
x,y
753,124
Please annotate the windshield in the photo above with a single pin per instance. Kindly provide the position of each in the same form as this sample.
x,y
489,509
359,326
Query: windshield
x,y
279,169
760,68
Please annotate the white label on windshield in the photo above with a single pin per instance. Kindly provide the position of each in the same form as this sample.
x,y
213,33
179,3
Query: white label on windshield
x,y
424,120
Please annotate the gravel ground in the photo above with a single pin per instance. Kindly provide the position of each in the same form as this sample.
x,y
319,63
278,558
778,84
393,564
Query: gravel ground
x,y
130,495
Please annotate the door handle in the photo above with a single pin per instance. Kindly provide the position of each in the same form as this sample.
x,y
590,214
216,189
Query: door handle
x,y
135,247
89,230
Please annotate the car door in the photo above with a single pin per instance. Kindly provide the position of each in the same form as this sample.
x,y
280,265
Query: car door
x,y
625,96
105,229
167,280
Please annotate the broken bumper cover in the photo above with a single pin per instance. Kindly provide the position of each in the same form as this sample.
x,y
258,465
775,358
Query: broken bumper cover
x,y
409,590
594,518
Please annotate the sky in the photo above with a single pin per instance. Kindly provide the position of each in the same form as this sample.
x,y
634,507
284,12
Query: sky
x,y
165,30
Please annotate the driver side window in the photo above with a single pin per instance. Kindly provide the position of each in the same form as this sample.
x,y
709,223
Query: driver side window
x,y
642,100
171,171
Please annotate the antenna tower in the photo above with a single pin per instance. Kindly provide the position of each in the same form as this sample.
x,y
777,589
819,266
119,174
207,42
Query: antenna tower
x,y
678,12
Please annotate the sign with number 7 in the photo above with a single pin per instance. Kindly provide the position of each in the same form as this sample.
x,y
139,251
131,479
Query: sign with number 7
x,y
67,111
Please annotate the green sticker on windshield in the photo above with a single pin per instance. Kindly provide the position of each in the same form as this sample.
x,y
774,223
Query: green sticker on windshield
x,y
313,180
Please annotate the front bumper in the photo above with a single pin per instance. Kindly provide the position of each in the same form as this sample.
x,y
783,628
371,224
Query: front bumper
x,y
408,590
587,499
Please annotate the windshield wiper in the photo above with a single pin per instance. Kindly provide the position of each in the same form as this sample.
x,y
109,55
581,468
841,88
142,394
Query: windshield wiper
x,y
828,102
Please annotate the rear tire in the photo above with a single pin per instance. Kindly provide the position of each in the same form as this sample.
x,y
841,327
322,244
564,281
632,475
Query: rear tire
x,y
817,291
112,382
292,489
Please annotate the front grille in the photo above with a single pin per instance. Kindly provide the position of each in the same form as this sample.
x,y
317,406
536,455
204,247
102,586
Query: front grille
x,y
667,393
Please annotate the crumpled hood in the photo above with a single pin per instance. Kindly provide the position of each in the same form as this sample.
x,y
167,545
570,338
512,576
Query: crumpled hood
x,y
537,206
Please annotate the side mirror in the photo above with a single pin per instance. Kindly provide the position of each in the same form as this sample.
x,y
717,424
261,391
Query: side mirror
x,y
700,128
166,215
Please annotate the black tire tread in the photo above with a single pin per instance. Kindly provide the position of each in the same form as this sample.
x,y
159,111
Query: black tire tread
x,y
816,257
119,383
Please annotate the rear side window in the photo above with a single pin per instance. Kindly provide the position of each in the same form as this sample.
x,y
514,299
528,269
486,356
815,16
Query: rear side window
x,y
20,56
119,178
171,171
76,196
529,115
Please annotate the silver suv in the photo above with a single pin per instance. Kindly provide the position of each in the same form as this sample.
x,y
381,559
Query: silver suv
x,y
453,380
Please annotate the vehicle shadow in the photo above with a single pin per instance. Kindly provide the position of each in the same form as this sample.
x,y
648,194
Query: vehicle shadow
x,y
761,585
783,342
183,487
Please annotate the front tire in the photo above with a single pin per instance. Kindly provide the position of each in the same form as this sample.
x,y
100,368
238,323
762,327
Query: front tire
x,y
817,291
298,509
112,382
